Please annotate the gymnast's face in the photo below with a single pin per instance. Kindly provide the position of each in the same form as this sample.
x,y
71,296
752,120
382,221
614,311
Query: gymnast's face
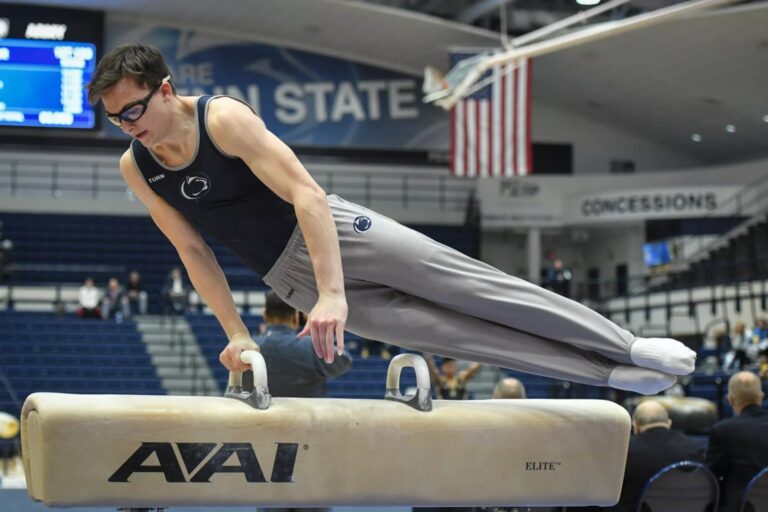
x,y
146,106
449,368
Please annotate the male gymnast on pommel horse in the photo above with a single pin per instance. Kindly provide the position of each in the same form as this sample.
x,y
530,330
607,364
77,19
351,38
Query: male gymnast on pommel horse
x,y
209,164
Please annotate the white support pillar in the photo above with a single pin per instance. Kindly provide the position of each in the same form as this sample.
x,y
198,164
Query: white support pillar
x,y
534,255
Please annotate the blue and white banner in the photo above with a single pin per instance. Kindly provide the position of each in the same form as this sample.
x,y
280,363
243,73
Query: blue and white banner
x,y
304,98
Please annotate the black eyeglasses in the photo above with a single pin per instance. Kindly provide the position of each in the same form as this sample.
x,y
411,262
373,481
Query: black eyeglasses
x,y
133,111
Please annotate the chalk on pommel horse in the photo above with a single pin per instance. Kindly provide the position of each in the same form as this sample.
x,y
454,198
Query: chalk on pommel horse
x,y
160,451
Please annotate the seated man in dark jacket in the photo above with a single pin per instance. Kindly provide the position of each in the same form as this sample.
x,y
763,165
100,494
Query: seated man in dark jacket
x,y
653,447
738,446
293,369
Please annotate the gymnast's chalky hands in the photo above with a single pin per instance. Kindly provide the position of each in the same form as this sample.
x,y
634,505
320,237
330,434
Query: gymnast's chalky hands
x,y
230,356
326,320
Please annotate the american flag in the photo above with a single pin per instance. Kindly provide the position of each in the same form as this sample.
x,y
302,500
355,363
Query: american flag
x,y
490,129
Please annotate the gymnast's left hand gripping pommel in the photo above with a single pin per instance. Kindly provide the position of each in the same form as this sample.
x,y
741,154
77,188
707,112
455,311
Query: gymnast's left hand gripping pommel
x,y
259,396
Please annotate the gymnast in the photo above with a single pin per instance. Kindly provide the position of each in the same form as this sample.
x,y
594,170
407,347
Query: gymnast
x,y
209,164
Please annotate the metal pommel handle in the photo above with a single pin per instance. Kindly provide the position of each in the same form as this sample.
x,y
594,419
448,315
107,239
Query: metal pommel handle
x,y
259,396
422,400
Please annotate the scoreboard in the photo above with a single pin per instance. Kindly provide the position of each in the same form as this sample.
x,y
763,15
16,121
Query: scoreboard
x,y
42,83
47,57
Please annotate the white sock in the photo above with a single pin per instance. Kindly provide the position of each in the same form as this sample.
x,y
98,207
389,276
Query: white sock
x,y
639,380
663,354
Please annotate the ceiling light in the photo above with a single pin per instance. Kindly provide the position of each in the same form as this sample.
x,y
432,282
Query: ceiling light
x,y
587,2
696,137
730,128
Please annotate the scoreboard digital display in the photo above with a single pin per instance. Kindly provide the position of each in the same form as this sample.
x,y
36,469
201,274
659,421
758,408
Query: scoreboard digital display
x,y
47,56
41,83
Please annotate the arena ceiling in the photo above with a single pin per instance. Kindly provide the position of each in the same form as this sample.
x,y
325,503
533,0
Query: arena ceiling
x,y
706,74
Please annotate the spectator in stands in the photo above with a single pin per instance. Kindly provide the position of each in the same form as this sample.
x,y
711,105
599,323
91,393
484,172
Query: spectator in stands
x,y
449,383
293,368
559,279
760,337
741,352
135,298
761,329
88,297
738,446
722,344
6,250
175,293
112,303
509,388
762,370
9,442
652,447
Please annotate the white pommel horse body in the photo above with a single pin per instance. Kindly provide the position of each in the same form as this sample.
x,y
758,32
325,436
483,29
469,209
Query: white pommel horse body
x,y
160,451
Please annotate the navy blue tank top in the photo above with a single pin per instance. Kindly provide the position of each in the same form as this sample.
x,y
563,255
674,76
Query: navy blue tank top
x,y
220,195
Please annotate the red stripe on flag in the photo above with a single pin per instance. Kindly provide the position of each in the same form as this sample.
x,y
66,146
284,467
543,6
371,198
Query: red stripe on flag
x,y
478,134
515,113
453,139
465,141
528,145
489,163
503,120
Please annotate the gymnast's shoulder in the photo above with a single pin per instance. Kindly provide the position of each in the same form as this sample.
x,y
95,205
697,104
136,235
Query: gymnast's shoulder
x,y
237,130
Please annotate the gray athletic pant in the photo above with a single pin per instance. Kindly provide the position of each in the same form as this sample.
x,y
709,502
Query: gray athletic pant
x,y
406,289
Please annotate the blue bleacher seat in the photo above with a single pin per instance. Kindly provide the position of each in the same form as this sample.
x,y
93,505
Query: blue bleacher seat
x,y
42,352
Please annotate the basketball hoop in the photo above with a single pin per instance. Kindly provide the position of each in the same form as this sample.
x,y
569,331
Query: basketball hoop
x,y
461,79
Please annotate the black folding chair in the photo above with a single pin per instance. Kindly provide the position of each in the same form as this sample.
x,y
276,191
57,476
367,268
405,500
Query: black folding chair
x,y
755,497
686,486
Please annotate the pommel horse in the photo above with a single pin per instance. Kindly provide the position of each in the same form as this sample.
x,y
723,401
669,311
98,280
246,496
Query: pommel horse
x,y
140,452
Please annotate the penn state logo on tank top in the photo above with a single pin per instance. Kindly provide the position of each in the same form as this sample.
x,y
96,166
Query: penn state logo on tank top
x,y
219,194
195,186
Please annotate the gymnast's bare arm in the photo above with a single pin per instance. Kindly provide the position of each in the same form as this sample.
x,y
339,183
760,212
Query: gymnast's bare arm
x,y
201,264
239,132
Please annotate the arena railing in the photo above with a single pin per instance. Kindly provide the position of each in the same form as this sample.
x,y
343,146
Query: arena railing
x,y
706,274
750,201
59,297
49,177
729,290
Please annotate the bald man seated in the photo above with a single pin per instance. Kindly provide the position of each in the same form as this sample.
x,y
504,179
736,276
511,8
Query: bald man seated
x,y
738,446
652,447
509,388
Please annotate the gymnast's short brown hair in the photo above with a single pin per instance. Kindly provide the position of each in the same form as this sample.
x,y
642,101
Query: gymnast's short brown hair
x,y
142,62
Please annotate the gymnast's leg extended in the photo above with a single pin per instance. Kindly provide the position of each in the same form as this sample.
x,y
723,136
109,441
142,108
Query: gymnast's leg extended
x,y
413,263
381,313
387,255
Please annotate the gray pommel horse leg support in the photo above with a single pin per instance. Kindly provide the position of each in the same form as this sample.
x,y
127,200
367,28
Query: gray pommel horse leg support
x,y
141,452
